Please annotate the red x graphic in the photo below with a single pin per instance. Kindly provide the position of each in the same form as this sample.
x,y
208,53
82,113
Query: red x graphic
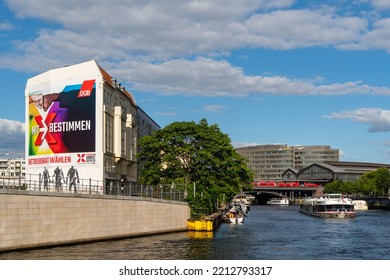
x,y
44,132
81,157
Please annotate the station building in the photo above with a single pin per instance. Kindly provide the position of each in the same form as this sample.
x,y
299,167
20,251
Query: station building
x,y
324,172
80,117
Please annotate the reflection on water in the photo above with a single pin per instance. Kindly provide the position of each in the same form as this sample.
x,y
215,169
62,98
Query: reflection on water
x,y
269,232
200,234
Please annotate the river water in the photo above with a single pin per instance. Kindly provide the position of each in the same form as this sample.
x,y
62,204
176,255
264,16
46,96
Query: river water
x,y
268,233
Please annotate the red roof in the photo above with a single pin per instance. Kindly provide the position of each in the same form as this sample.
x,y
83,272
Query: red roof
x,y
108,79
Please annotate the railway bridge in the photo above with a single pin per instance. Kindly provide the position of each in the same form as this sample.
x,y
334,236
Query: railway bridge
x,y
264,191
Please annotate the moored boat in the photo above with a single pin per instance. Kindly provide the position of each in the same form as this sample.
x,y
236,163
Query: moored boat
x,y
242,207
329,206
279,201
247,199
234,215
360,205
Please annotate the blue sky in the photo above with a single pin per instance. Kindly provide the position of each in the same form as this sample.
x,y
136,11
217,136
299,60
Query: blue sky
x,y
281,71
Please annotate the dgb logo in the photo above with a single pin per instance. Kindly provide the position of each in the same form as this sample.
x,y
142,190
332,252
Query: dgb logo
x,y
84,93
86,88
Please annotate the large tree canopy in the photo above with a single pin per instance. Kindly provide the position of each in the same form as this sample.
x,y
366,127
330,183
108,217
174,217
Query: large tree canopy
x,y
188,153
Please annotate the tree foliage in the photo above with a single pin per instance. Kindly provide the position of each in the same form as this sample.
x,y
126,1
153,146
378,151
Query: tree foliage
x,y
188,153
372,183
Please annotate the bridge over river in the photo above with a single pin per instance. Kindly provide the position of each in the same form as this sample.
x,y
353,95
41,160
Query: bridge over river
x,y
294,191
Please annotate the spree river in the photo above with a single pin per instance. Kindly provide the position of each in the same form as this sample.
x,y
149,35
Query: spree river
x,y
268,233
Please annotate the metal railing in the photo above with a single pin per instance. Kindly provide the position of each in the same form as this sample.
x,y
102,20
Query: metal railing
x,y
95,187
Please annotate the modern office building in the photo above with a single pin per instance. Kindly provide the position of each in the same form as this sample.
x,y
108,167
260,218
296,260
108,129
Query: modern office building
x,y
268,162
80,117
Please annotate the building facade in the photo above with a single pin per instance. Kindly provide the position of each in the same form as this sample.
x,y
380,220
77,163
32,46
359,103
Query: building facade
x,y
79,118
12,168
324,172
268,162
145,124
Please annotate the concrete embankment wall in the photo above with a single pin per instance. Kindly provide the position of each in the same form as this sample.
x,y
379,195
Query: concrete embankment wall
x,y
35,219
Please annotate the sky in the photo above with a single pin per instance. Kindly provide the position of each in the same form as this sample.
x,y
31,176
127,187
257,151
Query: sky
x,y
265,71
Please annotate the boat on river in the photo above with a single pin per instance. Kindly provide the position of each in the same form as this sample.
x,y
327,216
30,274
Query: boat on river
x,y
360,205
234,215
329,206
244,198
279,201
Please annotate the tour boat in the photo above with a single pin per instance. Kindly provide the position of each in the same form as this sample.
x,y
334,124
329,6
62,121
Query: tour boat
x,y
329,206
278,201
360,205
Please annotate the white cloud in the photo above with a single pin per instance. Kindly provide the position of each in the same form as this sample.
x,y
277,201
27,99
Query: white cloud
x,y
342,154
209,77
154,31
157,48
12,137
214,108
303,28
244,144
169,114
386,143
378,119
6,26
381,4
378,38
129,28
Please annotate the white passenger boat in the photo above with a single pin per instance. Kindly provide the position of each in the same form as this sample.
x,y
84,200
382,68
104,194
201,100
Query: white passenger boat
x,y
360,205
278,201
247,199
329,206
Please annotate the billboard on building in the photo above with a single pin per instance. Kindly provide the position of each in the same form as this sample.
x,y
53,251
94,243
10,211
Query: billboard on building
x,y
61,123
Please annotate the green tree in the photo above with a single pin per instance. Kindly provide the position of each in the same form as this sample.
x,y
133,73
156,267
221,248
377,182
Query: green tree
x,y
343,187
188,153
381,180
365,186
375,182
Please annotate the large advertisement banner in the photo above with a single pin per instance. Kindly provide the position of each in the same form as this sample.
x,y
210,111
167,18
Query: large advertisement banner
x,y
63,122
61,132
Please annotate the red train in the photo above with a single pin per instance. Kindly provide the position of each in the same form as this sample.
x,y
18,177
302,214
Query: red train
x,y
283,184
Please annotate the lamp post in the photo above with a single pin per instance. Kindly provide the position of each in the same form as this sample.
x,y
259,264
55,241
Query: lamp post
x,y
113,171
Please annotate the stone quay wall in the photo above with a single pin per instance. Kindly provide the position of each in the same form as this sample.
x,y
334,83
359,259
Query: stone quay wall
x,y
38,219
